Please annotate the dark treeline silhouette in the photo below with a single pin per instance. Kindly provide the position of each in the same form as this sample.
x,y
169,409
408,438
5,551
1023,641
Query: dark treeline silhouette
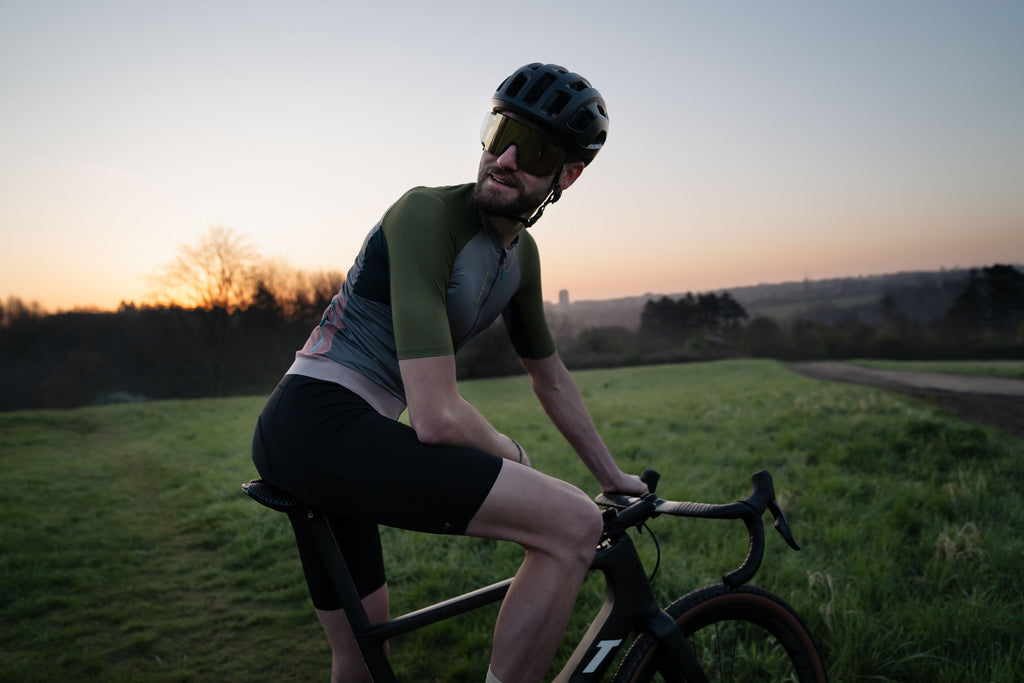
x,y
688,315
154,352
979,316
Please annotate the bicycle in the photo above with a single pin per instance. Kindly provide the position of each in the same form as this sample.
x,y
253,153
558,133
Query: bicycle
x,y
726,631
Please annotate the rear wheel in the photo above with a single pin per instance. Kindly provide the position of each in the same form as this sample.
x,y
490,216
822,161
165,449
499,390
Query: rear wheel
x,y
740,634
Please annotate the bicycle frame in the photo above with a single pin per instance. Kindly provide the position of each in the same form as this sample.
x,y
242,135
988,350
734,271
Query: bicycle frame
x,y
629,606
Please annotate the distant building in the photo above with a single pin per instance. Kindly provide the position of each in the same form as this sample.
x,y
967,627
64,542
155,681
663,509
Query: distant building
x,y
563,298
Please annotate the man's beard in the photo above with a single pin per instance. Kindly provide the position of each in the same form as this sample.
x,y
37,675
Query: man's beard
x,y
492,203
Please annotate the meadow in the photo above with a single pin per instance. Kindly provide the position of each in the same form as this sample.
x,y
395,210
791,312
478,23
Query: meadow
x,y
127,551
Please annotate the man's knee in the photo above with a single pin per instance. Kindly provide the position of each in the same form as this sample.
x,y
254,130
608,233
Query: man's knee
x,y
583,526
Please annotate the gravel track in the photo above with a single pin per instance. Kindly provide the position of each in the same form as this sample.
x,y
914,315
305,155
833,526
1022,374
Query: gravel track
x,y
994,401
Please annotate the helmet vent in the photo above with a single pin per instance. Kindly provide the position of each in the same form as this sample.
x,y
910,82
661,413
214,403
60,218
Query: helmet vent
x,y
581,119
579,85
516,85
537,90
557,103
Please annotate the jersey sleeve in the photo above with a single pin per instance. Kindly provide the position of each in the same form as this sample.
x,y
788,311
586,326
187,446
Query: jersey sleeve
x,y
421,250
524,316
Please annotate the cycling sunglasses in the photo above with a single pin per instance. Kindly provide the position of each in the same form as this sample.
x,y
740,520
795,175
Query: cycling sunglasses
x,y
536,153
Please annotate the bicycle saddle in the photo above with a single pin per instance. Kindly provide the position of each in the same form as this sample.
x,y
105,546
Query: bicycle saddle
x,y
269,495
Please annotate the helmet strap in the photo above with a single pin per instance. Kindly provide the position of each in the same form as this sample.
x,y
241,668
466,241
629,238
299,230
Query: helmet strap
x,y
553,196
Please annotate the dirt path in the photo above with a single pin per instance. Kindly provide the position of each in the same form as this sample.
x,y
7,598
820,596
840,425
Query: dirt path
x,y
994,401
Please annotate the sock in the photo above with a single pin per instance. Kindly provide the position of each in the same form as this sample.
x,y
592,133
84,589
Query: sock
x,y
491,678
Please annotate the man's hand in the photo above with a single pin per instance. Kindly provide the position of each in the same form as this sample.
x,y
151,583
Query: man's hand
x,y
629,484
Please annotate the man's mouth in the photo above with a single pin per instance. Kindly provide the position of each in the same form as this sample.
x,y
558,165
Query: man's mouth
x,y
503,180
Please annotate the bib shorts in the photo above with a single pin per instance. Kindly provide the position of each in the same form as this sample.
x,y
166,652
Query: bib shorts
x,y
326,446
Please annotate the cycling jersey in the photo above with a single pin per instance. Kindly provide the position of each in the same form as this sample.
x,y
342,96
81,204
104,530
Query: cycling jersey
x,y
430,275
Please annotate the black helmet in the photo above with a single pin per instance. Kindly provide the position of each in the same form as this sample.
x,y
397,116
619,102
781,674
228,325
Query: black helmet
x,y
561,102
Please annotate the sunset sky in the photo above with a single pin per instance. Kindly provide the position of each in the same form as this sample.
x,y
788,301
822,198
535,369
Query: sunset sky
x,y
751,141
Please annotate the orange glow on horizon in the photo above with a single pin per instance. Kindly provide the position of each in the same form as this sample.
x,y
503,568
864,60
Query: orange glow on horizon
x,y
736,156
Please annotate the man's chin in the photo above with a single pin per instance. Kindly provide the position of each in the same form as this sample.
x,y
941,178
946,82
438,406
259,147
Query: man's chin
x,y
496,206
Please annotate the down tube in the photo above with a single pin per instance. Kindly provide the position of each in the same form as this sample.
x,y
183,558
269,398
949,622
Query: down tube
x,y
629,602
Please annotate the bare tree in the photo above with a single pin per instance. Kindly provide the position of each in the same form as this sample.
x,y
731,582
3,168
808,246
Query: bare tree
x,y
299,293
219,272
16,310
216,277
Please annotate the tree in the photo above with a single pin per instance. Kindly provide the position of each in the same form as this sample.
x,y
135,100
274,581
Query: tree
x,y
763,337
16,310
217,276
993,300
730,311
219,272
688,315
301,295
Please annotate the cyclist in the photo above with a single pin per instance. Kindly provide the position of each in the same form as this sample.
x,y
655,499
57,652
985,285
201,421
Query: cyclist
x,y
438,268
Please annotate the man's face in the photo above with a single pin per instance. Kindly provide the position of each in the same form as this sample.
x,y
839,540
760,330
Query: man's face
x,y
502,189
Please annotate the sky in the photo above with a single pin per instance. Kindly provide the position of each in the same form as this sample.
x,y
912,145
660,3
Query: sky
x,y
750,141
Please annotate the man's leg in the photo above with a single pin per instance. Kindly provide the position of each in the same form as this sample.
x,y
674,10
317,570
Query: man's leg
x,y
346,660
559,527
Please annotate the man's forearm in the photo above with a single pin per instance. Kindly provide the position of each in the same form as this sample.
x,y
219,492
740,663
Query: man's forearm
x,y
562,402
440,415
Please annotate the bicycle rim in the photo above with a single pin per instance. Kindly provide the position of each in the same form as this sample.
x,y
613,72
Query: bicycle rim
x,y
743,634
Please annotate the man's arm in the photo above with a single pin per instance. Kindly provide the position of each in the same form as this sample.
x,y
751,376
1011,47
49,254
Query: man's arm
x,y
561,400
440,415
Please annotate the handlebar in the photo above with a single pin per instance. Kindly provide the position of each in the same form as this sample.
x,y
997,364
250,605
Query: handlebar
x,y
632,511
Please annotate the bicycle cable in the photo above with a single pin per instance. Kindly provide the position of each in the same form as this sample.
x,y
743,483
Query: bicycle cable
x,y
657,551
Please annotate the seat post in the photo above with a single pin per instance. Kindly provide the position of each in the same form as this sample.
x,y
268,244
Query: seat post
x,y
371,645
334,563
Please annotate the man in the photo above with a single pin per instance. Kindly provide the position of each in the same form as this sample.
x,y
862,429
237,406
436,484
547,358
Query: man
x,y
439,267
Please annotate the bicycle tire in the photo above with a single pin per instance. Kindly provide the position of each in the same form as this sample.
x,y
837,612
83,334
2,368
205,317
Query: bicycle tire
x,y
738,634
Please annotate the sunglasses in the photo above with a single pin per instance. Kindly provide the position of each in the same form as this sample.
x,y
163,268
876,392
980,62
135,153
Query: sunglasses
x,y
536,153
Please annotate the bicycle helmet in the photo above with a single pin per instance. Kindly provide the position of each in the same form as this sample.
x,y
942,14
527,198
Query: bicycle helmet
x,y
561,102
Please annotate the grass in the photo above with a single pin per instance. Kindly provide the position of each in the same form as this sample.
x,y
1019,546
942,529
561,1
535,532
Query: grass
x,y
1013,369
128,553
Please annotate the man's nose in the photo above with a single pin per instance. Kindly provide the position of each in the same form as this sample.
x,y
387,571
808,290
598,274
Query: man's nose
x,y
507,160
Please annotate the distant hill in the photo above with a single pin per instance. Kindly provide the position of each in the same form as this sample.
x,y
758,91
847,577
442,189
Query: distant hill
x,y
919,296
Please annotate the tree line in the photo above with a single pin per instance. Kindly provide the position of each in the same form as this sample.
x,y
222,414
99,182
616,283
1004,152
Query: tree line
x,y
146,352
983,320
221,320
247,316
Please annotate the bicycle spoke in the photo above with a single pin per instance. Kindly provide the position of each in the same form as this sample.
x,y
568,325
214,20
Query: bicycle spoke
x,y
735,635
740,651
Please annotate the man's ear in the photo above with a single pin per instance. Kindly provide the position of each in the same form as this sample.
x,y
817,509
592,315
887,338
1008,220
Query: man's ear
x,y
570,172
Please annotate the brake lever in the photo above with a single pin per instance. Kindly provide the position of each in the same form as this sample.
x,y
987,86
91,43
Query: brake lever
x,y
651,478
782,524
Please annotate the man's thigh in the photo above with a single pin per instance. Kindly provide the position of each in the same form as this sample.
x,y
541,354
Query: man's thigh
x,y
529,507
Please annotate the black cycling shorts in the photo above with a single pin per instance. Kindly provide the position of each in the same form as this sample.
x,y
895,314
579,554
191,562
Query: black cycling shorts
x,y
326,446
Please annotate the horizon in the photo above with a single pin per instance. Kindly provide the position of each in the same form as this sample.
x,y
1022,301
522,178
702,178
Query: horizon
x,y
555,301
748,144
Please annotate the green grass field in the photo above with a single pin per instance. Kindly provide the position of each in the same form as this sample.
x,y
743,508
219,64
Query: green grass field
x,y
128,553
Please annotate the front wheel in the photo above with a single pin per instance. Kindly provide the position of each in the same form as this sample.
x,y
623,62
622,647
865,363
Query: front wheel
x,y
738,634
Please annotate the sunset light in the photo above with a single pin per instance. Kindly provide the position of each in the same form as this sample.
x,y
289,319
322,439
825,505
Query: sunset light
x,y
750,142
